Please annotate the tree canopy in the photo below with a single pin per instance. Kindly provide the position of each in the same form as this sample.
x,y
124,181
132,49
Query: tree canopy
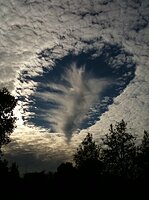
x,y
107,170
86,156
119,149
7,119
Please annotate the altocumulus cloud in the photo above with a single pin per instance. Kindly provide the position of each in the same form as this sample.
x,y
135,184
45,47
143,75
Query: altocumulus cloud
x,y
34,35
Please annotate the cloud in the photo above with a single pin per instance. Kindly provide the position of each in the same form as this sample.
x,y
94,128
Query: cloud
x,y
28,28
74,99
33,148
71,95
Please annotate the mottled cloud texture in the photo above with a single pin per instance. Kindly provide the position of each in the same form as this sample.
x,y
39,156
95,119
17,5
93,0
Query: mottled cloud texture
x,y
35,34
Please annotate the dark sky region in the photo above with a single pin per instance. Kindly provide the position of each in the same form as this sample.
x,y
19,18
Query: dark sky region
x,y
95,68
76,67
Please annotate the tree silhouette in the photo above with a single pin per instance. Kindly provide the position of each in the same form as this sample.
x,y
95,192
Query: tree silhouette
x,y
7,124
145,144
7,120
65,168
119,151
87,155
143,155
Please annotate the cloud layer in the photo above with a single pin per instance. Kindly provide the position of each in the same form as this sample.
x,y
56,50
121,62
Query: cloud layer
x,y
78,89
35,34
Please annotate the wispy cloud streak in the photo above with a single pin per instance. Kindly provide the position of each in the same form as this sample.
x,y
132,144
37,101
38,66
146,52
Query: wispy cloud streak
x,y
78,92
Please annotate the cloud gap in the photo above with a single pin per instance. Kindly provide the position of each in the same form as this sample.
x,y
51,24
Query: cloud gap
x,y
78,90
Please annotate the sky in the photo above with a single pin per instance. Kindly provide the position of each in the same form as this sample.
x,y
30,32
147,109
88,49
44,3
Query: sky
x,y
75,66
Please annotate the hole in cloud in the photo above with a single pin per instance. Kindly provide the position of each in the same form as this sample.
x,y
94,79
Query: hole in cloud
x,y
77,90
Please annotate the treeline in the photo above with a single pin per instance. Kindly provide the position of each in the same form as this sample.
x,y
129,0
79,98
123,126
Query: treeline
x,y
117,168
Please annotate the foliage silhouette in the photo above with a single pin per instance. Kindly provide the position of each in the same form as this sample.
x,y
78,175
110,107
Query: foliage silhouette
x,y
119,150
7,120
97,170
65,168
87,154
143,157
7,125
144,147
87,150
